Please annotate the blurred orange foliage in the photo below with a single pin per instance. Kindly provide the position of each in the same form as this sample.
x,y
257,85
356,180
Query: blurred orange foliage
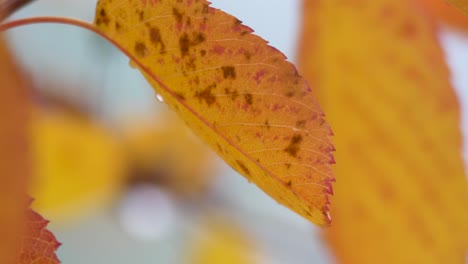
x,y
446,13
401,193
14,161
24,239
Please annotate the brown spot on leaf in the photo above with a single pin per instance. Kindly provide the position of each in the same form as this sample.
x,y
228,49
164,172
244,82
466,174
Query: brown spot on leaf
x,y
179,95
229,72
156,39
177,14
205,9
234,94
293,146
300,124
141,16
103,18
118,27
247,55
243,167
206,95
248,98
289,94
140,49
198,38
184,43
190,64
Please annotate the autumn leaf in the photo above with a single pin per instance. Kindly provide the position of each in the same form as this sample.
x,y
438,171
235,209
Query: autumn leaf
x,y
168,154
234,91
462,4
218,240
39,244
445,13
14,115
79,165
402,194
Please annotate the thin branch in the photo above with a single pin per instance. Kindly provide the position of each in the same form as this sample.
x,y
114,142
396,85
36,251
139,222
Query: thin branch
x,y
8,7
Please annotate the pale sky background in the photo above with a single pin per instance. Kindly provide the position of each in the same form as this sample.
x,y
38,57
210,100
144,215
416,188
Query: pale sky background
x,y
80,57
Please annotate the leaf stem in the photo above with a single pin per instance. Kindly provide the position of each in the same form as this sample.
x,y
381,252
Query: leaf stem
x,y
8,7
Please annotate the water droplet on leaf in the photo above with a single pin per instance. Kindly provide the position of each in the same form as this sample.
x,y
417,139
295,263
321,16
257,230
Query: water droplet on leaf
x,y
159,98
132,64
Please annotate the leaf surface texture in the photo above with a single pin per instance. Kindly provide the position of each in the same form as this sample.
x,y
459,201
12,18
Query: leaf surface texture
x,y
383,82
237,93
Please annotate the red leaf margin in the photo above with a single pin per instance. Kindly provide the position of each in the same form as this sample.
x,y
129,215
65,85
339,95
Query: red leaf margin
x,y
39,244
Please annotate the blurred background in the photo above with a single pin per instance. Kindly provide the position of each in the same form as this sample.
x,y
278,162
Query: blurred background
x,y
120,177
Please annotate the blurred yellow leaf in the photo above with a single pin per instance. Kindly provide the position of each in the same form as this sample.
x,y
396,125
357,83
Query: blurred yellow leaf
x,y
234,91
402,191
219,241
167,153
79,165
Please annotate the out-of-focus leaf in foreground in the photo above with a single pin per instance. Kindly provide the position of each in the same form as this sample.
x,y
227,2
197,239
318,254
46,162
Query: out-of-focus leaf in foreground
x,y
39,244
462,4
234,91
24,238
402,191
445,13
14,161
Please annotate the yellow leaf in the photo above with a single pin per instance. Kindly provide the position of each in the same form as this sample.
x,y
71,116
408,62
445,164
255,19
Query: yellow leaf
x,y
167,153
234,91
220,241
14,161
402,191
79,165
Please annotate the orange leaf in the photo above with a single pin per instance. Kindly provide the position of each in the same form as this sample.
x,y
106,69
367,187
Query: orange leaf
x,y
461,4
14,161
39,245
446,13
234,91
402,191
